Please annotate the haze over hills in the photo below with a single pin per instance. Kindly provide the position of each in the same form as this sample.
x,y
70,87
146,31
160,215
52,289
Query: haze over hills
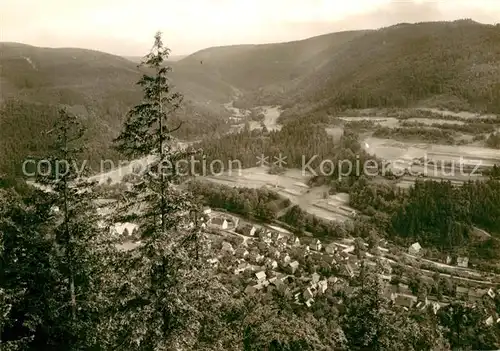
x,y
434,64
97,86
455,64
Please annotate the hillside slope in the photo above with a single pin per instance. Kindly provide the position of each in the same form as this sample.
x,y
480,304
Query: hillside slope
x,y
273,67
97,86
440,64
455,65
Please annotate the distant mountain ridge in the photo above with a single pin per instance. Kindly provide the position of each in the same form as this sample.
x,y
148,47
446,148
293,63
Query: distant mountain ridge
x,y
138,59
435,64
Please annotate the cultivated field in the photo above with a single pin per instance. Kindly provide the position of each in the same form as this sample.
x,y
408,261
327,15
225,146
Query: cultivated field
x,y
292,185
389,149
404,153
461,114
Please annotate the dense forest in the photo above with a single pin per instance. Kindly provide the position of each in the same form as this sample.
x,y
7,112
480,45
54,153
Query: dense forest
x,y
67,285
436,214
437,136
387,68
260,204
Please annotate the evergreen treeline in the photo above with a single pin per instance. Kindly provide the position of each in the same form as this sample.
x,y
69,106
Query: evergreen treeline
x,y
302,144
429,135
409,63
260,204
470,128
434,213
66,285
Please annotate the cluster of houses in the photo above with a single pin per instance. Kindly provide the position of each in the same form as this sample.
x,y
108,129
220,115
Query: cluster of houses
x,y
462,261
269,259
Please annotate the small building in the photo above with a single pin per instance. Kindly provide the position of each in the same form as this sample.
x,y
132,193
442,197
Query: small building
x,y
271,264
241,252
308,294
315,277
349,249
477,294
294,266
207,210
330,248
219,222
227,247
261,276
403,289
463,262
329,259
250,290
489,321
316,245
309,302
241,268
414,249
322,286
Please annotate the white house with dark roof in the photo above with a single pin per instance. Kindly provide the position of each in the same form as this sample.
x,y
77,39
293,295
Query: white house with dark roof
x,y
261,276
491,293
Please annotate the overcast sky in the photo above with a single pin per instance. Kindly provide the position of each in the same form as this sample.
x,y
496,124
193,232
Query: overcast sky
x,y
126,27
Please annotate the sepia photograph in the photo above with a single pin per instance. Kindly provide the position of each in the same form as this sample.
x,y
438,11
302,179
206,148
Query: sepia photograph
x,y
229,175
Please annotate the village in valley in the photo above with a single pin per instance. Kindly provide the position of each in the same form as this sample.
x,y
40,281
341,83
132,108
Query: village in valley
x,y
263,257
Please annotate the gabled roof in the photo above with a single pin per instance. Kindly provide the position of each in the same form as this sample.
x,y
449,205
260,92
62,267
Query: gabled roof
x,y
261,275
218,220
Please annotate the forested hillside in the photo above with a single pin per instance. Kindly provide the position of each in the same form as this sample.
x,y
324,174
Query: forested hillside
x,y
441,64
452,65
98,87
266,66
448,64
